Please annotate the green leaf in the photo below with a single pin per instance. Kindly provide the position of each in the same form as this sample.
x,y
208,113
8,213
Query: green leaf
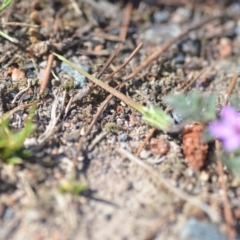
x,y
14,160
11,143
157,118
4,35
194,106
5,4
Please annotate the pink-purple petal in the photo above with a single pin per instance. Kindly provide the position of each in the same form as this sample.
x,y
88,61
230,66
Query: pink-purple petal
x,y
229,115
220,130
227,129
232,143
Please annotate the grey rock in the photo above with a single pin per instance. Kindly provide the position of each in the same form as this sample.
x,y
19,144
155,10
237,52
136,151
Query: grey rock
x,y
79,80
9,214
161,16
200,230
160,33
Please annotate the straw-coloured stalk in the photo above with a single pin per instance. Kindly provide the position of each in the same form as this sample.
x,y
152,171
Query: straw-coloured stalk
x,y
152,115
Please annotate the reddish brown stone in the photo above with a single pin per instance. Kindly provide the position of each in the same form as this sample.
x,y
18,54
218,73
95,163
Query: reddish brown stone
x,y
194,149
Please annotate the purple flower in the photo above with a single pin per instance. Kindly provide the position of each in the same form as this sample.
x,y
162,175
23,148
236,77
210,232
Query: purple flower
x,y
227,129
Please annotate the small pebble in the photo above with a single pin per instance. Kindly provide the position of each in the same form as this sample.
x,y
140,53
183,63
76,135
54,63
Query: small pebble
x,y
8,214
191,47
144,154
225,47
204,176
120,121
179,59
189,172
67,124
17,75
159,147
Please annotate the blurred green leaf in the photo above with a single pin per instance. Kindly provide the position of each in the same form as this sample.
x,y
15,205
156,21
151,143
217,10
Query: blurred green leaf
x,y
11,143
194,106
73,186
5,4
157,118
233,165
14,160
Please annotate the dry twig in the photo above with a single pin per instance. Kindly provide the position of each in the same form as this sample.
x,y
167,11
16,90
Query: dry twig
x,y
47,73
228,216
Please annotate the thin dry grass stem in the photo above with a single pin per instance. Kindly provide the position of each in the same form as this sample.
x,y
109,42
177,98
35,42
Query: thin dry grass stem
x,y
213,214
47,73
22,91
99,53
63,99
100,109
106,65
19,24
168,44
68,107
55,115
82,92
231,87
97,140
107,36
135,51
125,24
228,216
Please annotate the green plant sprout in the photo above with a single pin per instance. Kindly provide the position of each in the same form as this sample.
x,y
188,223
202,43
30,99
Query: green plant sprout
x,y
4,35
11,143
73,186
152,115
